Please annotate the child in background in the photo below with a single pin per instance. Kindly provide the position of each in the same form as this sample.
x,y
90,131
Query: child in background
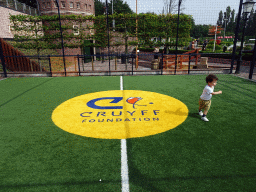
x,y
205,98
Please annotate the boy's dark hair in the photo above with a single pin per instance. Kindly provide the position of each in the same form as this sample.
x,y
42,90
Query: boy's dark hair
x,y
210,78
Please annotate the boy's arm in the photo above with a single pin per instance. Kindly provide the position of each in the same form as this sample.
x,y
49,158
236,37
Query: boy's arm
x,y
216,93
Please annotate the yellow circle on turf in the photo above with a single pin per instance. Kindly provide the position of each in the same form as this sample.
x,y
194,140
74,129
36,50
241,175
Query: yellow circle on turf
x,y
120,114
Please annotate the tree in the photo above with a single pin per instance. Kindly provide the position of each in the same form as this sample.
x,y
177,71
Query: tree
x,y
199,31
230,27
220,19
250,26
171,6
119,7
229,16
99,7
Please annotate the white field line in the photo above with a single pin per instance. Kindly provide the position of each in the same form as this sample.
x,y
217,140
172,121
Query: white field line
x,y
124,161
3,79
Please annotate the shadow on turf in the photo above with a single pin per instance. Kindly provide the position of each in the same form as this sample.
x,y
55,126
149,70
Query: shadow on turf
x,y
67,183
25,92
194,115
144,181
136,178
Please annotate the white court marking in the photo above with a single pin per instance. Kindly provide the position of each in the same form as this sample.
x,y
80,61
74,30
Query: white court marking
x,y
124,160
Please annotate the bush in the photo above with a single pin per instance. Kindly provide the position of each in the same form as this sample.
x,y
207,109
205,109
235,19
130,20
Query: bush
x,y
248,48
218,47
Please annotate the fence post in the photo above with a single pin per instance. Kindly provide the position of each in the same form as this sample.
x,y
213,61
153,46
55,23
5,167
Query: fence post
x,y
78,62
253,62
2,58
92,63
162,63
132,64
50,64
189,57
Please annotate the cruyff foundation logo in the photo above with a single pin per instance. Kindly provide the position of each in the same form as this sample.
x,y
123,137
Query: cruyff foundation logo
x,y
130,100
120,114
116,100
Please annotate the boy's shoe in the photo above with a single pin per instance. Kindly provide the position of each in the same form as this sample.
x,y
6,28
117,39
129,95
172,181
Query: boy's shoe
x,y
204,118
200,113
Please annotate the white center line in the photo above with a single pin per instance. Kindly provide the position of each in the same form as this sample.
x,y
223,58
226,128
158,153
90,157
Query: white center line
x,y
124,161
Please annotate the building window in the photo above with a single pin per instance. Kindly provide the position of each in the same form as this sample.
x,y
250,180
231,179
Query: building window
x,y
90,7
55,4
85,6
63,5
78,5
43,5
48,5
71,5
75,29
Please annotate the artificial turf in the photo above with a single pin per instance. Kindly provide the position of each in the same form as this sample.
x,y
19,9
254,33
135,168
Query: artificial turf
x,y
38,156
196,156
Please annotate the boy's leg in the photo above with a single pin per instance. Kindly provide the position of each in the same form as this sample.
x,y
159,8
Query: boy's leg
x,y
205,112
208,105
201,106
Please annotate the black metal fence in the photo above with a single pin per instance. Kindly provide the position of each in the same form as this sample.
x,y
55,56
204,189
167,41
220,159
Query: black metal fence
x,y
111,63
121,64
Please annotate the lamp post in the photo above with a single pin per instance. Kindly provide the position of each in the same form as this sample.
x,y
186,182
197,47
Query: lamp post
x,y
108,36
247,8
177,37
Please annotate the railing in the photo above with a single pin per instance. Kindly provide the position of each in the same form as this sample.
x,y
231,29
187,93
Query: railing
x,y
21,7
16,60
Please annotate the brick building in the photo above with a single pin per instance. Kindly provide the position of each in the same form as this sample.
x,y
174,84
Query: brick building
x,y
69,7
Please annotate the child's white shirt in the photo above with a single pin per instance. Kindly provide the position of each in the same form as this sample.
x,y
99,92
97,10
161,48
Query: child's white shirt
x,y
206,95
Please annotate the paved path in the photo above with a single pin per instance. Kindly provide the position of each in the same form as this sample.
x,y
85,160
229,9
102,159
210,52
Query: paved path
x,y
244,73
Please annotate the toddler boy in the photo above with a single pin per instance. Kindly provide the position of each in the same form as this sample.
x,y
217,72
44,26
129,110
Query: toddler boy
x,y
205,98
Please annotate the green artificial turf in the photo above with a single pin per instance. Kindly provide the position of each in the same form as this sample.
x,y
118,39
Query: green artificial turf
x,y
38,156
218,155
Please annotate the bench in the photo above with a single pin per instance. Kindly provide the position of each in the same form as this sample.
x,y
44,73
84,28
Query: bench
x,y
169,60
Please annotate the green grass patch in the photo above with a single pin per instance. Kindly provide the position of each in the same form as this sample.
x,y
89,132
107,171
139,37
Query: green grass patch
x,y
198,156
36,155
218,155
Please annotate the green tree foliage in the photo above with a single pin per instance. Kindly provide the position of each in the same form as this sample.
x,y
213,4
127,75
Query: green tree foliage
x,y
230,26
99,7
227,19
199,31
220,19
94,28
119,7
251,26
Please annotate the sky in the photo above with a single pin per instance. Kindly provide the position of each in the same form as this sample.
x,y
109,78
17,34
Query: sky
x,y
203,11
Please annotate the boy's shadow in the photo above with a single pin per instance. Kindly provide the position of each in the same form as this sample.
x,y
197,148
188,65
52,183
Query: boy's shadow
x,y
194,115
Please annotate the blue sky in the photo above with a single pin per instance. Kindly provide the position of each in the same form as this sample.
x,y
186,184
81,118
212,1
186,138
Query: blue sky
x,y
203,11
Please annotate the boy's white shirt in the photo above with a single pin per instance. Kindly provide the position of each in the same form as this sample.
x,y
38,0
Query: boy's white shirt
x,y
206,95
